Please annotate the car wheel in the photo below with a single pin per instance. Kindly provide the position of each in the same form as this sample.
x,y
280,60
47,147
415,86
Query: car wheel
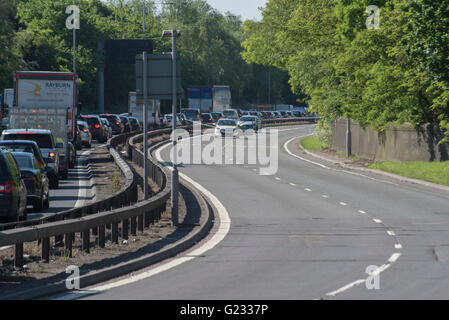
x,y
54,183
38,206
47,202
25,215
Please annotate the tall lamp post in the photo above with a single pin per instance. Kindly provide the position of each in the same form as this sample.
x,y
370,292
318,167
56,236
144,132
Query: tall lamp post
x,y
174,34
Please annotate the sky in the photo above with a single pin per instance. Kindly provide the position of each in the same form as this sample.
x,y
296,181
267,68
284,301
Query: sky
x,y
248,9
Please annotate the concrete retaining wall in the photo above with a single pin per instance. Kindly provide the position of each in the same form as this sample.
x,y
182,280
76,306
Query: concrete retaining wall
x,y
395,144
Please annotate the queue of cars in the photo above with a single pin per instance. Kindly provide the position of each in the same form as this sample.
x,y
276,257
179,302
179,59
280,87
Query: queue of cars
x,y
32,161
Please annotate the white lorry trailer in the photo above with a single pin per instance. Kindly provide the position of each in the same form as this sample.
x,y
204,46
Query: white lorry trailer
x,y
135,109
46,100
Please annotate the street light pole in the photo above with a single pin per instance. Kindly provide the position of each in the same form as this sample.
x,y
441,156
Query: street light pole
x,y
74,40
175,176
144,17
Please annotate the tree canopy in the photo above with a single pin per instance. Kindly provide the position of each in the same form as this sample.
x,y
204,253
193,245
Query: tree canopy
x,y
34,37
391,75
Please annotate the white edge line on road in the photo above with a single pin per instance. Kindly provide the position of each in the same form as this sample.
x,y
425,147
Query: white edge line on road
x,y
218,236
326,167
82,192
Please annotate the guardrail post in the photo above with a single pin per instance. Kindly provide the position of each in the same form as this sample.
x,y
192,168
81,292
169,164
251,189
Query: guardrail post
x,y
46,250
134,226
86,241
101,236
115,232
68,243
18,255
125,226
140,223
147,220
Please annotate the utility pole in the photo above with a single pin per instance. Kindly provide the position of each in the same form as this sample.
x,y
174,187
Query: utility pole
x,y
74,40
145,128
175,176
144,17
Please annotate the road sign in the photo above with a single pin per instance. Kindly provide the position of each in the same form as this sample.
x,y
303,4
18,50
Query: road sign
x,y
123,51
159,76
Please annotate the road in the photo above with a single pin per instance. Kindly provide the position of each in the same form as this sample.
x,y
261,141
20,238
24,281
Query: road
x,y
310,232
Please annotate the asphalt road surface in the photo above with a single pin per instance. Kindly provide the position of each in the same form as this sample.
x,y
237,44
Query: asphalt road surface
x,y
73,192
310,232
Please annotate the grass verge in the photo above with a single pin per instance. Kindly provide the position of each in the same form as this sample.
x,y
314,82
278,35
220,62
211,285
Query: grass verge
x,y
435,172
313,144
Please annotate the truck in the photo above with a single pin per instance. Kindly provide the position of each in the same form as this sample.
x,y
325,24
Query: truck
x,y
283,107
46,100
215,98
135,109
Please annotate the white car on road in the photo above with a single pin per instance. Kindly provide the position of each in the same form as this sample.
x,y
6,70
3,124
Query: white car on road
x,y
226,127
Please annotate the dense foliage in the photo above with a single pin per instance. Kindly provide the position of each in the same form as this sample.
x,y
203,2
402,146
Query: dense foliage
x,y
391,75
33,36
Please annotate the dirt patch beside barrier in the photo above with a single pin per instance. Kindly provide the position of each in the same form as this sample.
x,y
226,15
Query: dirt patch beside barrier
x,y
36,270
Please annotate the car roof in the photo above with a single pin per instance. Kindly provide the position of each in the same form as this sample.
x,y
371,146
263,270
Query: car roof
x,y
3,142
36,131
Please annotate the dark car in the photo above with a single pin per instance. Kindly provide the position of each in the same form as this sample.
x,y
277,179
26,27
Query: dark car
x,y
126,125
47,144
207,118
266,115
13,193
114,121
25,146
135,125
191,114
96,128
216,116
35,180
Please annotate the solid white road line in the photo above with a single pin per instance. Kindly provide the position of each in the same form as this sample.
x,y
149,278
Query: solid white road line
x,y
82,185
328,168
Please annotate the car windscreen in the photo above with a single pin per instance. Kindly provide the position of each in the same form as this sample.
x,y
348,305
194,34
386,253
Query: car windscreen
x,y
18,147
44,141
226,123
246,119
111,119
191,113
91,121
228,113
24,161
